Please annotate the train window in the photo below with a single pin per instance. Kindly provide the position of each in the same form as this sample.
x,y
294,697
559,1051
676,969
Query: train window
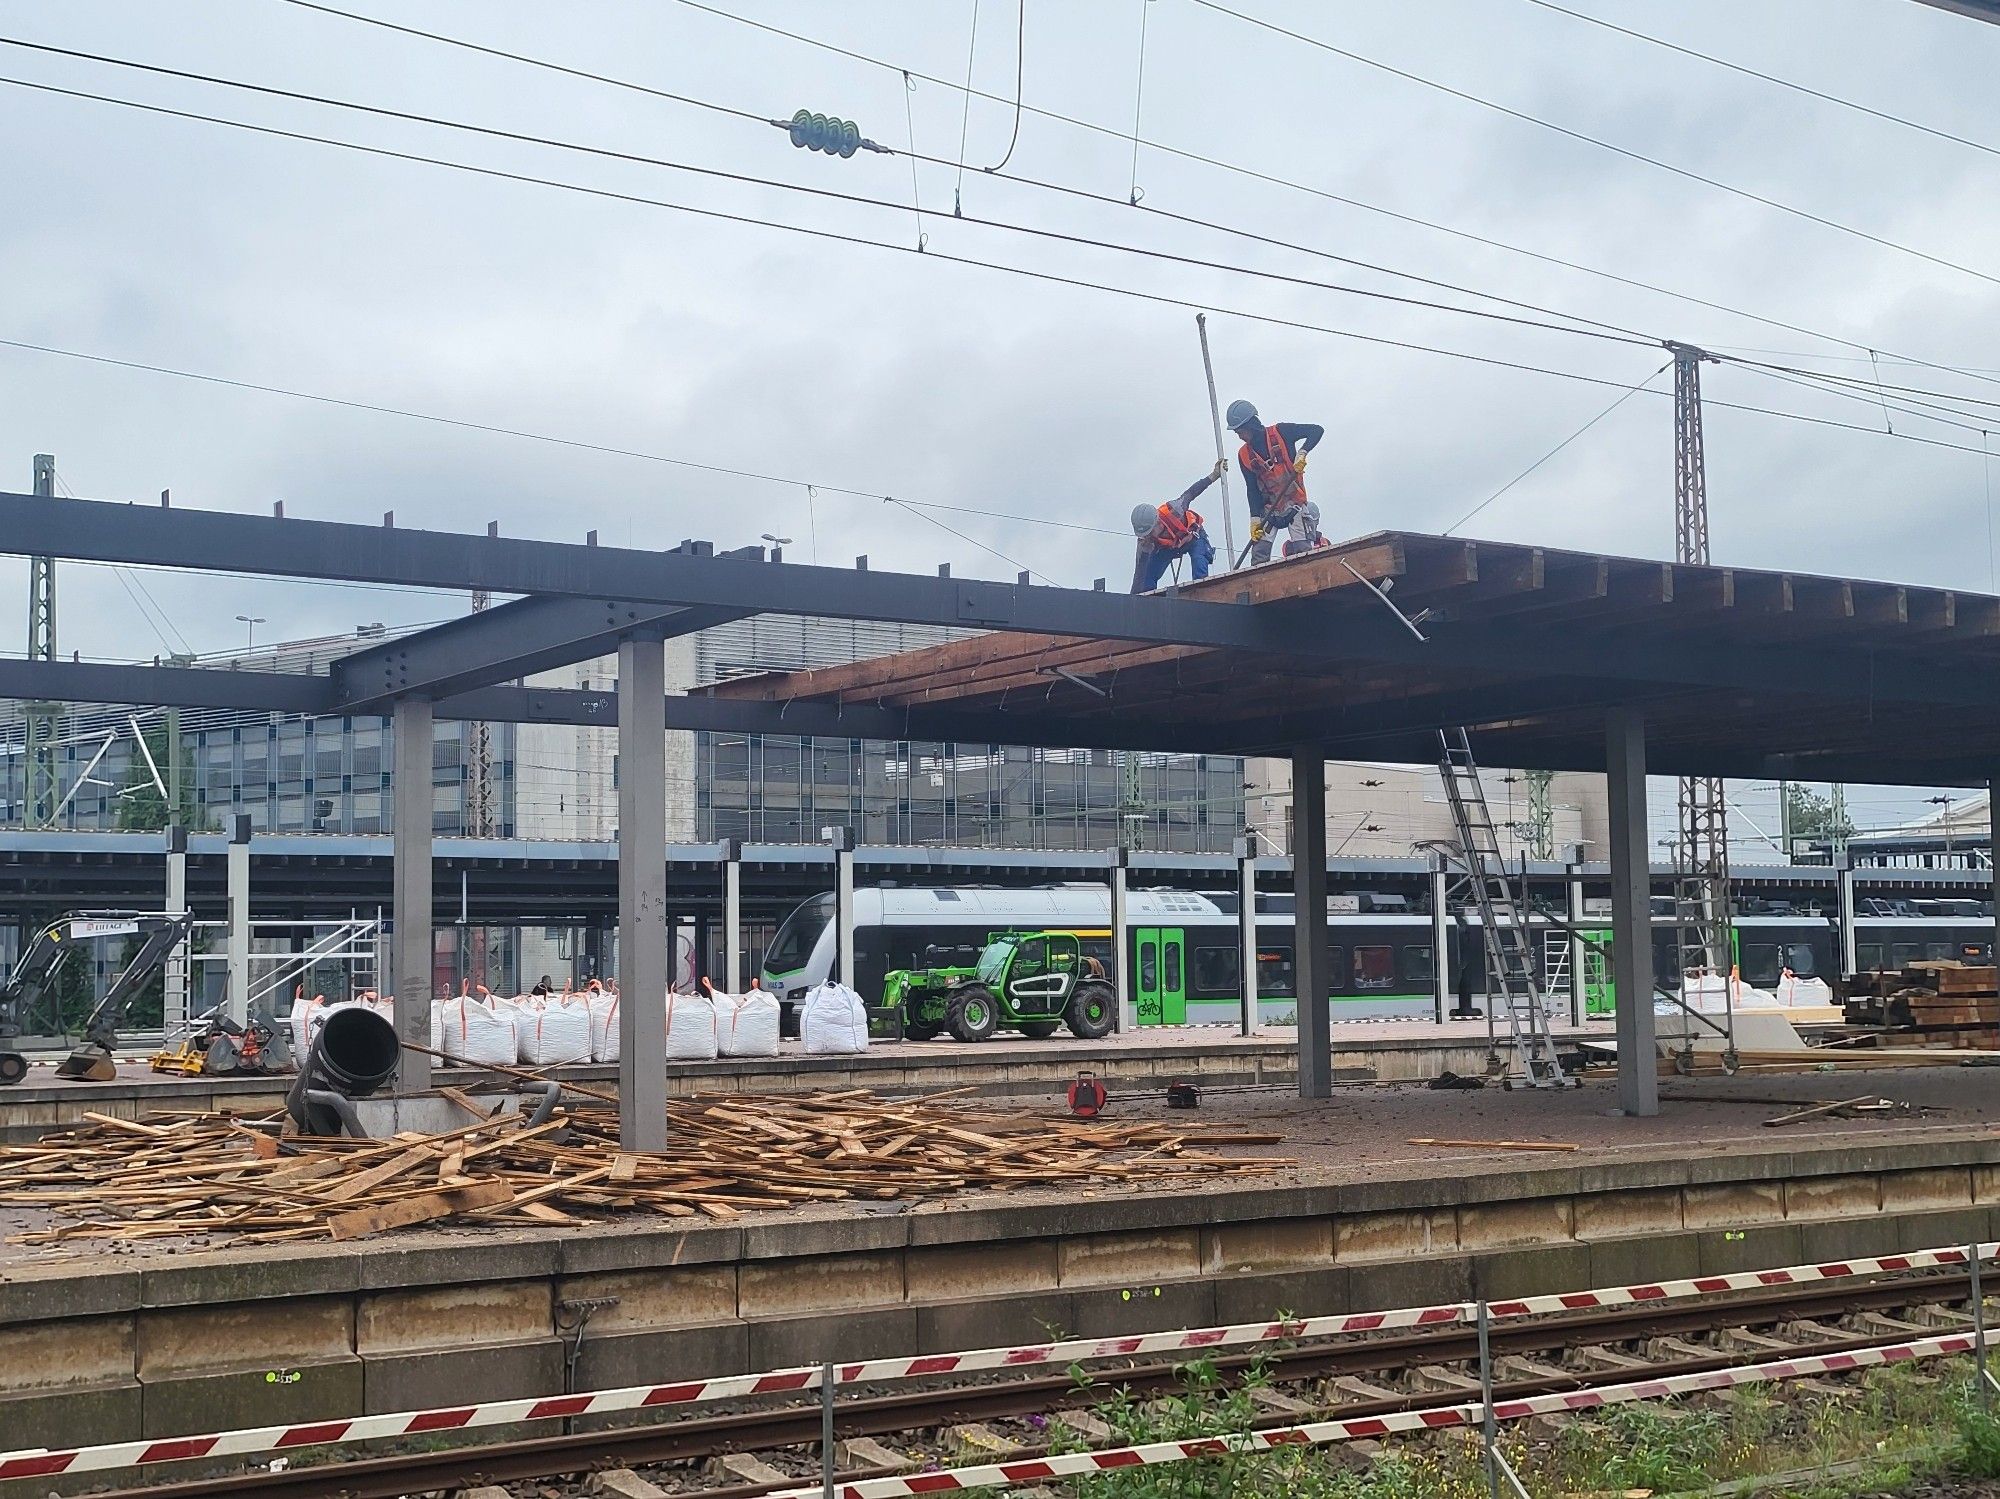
x,y
1868,955
1759,964
1171,964
1934,951
1100,949
1903,954
1149,967
1215,971
1275,977
1374,967
1418,967
1799,958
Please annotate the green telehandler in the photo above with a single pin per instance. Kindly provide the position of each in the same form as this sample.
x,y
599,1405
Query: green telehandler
x,y
1031,982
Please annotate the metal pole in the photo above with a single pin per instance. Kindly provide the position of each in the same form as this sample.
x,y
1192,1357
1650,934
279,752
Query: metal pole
x,y
643,968
1121,945
411,945
1246,931
826,1428
1579,990
843,907
239,920
1983,1379
1489,1436
1850,951
1440,936
1221,453
732,915
174,996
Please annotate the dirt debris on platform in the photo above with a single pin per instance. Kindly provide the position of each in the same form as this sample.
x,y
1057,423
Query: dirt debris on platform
x,y
172,1175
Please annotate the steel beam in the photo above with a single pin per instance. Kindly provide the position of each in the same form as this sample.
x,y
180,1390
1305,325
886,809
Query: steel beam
x,y
1844,898
1440,882
499,644
643,968
279,546
410,879
1311,938
1631,913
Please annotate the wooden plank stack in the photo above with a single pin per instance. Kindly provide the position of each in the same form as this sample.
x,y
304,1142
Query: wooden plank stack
x,y
1949,1004
205,1176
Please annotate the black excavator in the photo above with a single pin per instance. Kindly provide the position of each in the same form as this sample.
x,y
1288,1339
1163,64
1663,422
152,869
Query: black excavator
x,y
35,975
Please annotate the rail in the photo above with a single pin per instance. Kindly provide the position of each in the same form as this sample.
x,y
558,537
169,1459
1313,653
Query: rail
x,y
827,1379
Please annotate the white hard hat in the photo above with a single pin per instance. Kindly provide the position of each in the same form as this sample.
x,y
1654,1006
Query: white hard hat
x,y
1241,414
1144,517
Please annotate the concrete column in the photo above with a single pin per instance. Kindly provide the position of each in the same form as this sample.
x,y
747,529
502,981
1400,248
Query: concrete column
x,y
1310,939
175,975
237,966
410,882
1631,912
732,915
643,967
1246,931
1121,945
1579,996
1440,937
1844,899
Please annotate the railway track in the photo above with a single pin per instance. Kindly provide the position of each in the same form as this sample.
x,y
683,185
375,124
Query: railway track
x,y
680,1447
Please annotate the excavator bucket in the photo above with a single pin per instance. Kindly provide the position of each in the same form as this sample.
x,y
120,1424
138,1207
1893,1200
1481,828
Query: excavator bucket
x,y
88,1064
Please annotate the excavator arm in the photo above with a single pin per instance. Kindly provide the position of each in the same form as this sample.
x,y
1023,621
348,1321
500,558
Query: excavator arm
x,y
39,967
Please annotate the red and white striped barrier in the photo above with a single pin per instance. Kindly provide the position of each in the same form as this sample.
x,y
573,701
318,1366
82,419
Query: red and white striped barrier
x,y
1320,1433
40,1463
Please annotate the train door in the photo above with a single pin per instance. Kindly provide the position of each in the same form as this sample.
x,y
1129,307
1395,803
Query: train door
x,y
1597,990
1159,978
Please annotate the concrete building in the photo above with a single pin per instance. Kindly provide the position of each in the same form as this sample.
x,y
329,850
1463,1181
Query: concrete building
x,y
293,774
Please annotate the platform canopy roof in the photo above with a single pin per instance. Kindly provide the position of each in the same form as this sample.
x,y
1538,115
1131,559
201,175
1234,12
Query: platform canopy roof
x,y
1739,672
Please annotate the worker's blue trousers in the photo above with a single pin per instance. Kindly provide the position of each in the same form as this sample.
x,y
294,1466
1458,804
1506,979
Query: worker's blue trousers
x,y
1200,553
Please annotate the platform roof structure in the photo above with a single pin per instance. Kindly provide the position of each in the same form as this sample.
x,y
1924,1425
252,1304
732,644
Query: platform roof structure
x,y
1556,660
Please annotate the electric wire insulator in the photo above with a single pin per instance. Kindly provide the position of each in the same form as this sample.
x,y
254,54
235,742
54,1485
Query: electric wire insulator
x,y
817,132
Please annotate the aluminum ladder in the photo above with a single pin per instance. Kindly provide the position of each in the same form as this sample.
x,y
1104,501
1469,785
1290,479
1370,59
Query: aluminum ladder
x,y
1510,962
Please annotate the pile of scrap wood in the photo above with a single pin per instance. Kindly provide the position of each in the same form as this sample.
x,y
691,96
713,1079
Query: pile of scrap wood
x,y
173,1176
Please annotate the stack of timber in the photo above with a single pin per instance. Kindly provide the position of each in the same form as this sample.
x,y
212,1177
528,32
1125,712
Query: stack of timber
x,y
1932,1004
201,1175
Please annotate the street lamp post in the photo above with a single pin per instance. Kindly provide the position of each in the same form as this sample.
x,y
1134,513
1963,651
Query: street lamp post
x,y
252,621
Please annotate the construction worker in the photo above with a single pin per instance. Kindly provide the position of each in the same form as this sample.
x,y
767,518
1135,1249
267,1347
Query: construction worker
x,y
1273,460
1169,531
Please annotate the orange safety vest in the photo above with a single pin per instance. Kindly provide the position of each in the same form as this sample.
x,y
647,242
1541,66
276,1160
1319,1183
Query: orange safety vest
x,y
1172,533
1277,476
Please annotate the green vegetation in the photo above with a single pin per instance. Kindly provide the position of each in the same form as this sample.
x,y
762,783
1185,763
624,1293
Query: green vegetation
x,y
1889,1430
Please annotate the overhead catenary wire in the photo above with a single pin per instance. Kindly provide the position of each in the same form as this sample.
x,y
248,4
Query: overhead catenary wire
x,y
1325,195
1139,98
1772,78
1633,391
1592,328
1013,562
964,116
1579,135
1049,277
1020,78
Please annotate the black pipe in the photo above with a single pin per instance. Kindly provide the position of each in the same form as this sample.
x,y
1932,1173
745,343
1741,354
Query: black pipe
x,y
354,1053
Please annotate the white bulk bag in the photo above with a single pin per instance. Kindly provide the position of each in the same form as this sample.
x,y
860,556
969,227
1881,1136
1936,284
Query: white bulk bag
x,y
479,1032
551,1033
834,1022
690,1028
603,1011
306,1019
746,1025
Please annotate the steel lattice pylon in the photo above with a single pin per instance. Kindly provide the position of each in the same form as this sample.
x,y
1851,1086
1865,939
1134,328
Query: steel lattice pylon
x,y
1701,853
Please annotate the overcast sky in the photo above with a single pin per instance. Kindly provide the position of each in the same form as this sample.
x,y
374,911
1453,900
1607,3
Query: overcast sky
x,y
171,242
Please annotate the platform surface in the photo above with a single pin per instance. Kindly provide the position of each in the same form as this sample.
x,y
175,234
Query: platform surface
x,y
1364,1134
